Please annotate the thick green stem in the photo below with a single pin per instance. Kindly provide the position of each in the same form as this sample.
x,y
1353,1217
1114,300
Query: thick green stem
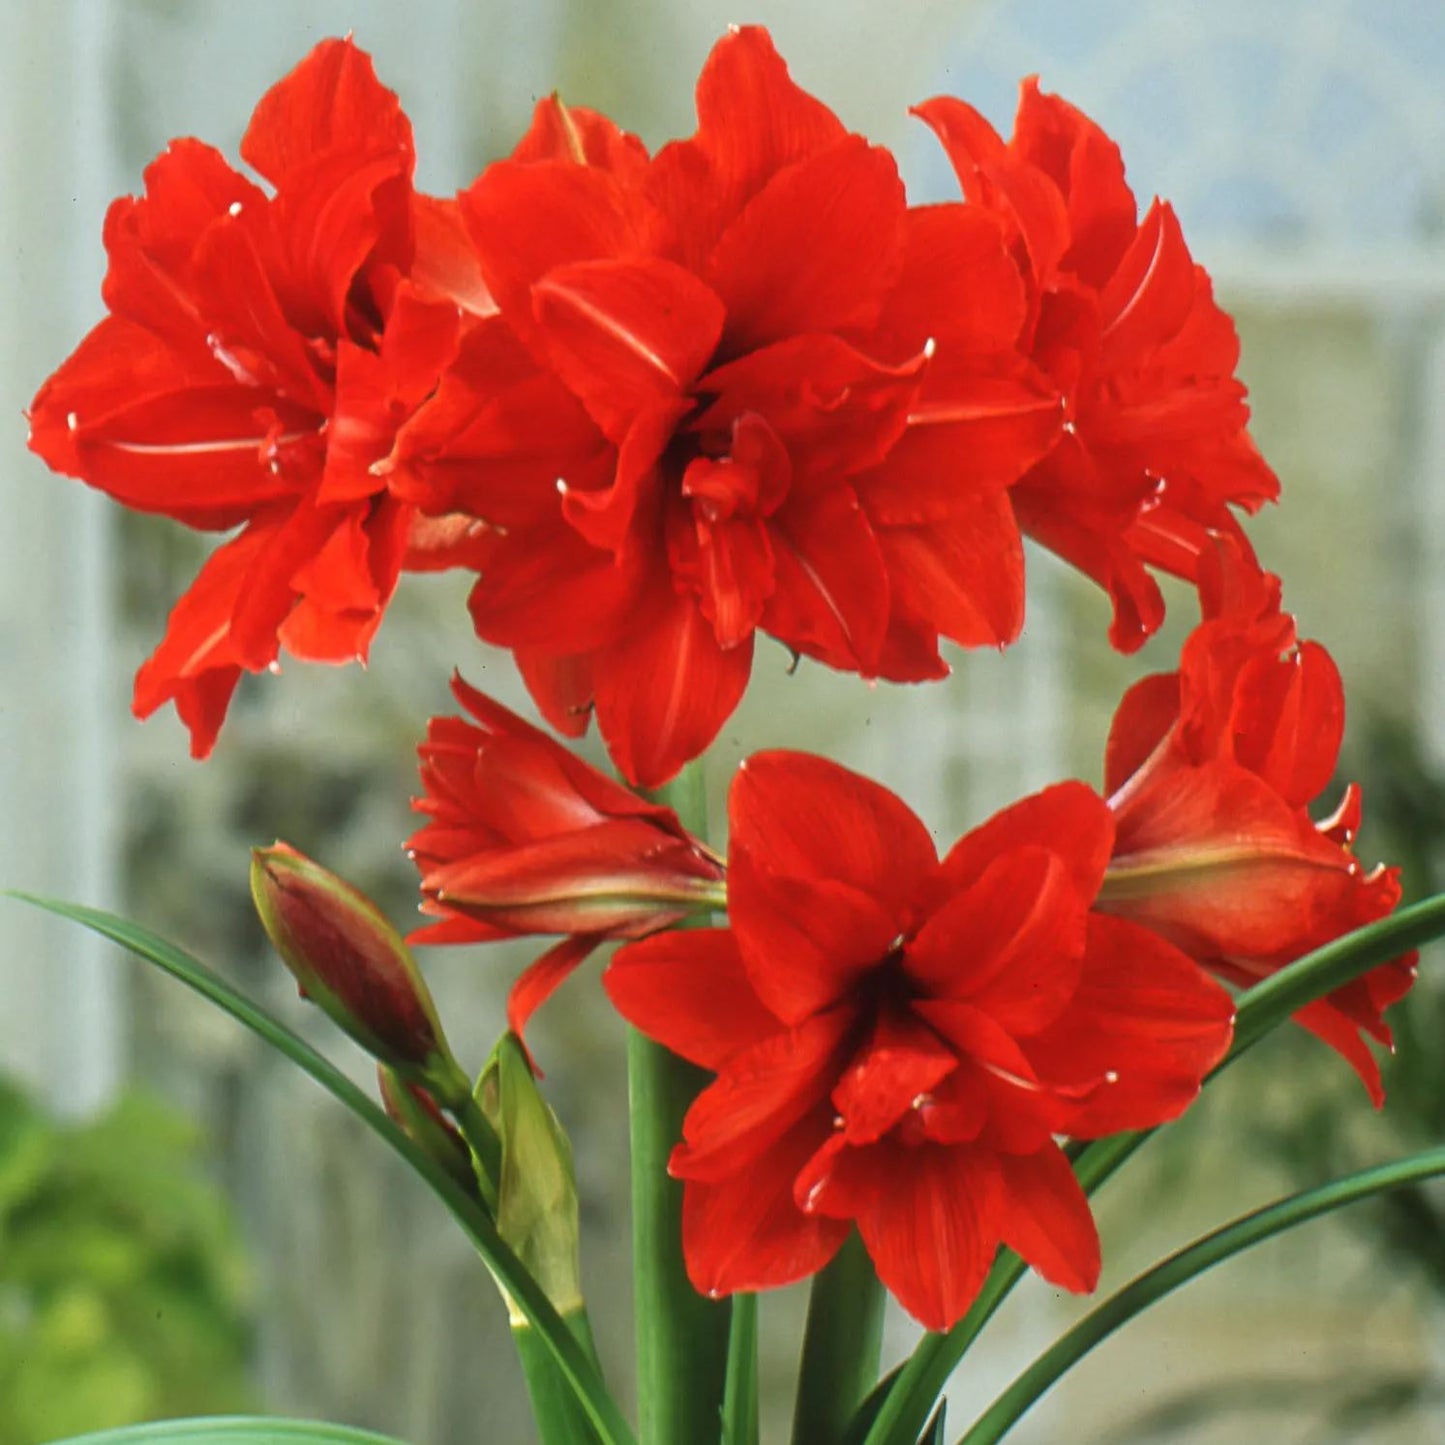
x,y
682,1337
1181,1267
740,1397
841,1346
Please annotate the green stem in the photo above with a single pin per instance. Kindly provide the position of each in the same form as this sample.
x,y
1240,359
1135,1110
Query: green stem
x,y
740,1395
909,1394
841,1345
682,1337
477,1130
573,1365
1181,1267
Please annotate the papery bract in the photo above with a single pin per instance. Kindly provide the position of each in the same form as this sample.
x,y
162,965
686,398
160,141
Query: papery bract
x,y
1211,771
1123,323
899,1041
738,386
261,350
525,838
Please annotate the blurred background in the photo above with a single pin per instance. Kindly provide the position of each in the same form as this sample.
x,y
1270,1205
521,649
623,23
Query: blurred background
x,y
185,1227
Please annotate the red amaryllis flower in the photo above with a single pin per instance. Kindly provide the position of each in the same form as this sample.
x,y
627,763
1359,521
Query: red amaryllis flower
x,y
524,838
750,389
899,1041
1124,324
1211,771
261,350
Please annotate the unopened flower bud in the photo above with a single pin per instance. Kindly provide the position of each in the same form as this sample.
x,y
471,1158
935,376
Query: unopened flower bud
x,y
349,961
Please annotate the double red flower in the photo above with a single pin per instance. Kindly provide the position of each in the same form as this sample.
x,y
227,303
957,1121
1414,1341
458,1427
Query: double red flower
x,y
736,386
899,1041
261,351
524,838
1211,771
1123,324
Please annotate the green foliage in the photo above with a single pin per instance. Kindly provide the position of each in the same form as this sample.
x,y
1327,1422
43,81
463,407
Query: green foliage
x,y
122,1292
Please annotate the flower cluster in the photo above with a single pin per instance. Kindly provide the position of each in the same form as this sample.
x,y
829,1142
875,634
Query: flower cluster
x,y
658,404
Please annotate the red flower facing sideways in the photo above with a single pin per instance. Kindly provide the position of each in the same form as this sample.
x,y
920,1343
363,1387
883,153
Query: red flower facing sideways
x,y
261,350
736,386
899,1041
1124,325
1211,771
524,838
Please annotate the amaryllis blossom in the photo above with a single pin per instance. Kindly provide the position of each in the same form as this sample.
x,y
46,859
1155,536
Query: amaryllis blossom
x,y
1211,771
900,1041
261,350
1124,325
524,838
737,386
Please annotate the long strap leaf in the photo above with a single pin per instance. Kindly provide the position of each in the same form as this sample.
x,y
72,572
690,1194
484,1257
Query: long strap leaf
x,y
572,1362
1181,1267
896,1411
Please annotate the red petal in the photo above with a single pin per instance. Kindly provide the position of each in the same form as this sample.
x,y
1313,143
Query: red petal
x,y
801,816
929,1216
1026,199
1289,720
968,436
752,122
1069,819
445,266
688,990
625,335
1144,718
663,692
814,251
1045,1218
1144,1019
526,220
1087,167
958,285
331,101
544,977
1011,944
830,595
547,588
746,1233
1149,297
561,686
963,574
805,942
902,1060
573,133
196,664
762,1092
161,435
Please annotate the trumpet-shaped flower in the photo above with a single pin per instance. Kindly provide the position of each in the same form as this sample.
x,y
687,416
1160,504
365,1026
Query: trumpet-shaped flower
x,y
525,838
1210,772
261,350
1123,324
899,1041
737,386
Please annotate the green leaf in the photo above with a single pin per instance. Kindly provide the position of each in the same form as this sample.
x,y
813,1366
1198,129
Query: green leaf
x,y
1181,1267
572,1361
234,1430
